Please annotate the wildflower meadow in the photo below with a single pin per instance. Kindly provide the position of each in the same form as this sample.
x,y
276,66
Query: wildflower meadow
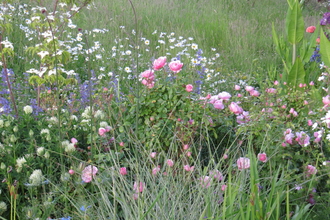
x,y
187,109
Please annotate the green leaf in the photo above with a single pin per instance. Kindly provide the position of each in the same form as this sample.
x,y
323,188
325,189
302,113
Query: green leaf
x,y
295,23
297,73
325,49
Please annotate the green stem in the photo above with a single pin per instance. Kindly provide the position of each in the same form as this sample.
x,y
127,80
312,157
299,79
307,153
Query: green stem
x,y
293,53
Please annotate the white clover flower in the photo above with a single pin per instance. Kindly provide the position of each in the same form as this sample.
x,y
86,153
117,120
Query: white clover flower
x,y
40,151
28,109
3,207
103,124
53,120
44,131
47,155
69,148
74,118
65,143
20,162
99,114
36,178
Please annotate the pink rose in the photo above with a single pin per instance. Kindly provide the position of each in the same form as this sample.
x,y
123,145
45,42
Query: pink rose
x,y
148,74
311,170
123,171
310,29
188,168
175,66
189,88
170,163
88,173
159,63
237,87
102,131
262,157
243,163
235,108
224,96
249,88
254,93
138,187
205,181
218,105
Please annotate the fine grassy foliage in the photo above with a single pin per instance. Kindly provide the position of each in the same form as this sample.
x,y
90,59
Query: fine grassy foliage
x,y
164,110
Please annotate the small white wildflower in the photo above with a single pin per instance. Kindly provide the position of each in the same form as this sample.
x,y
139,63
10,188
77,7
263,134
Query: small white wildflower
x,y
69,148
99,114
128,70
146,42
44,131
194,46
3,207
42,54
74,118
128,52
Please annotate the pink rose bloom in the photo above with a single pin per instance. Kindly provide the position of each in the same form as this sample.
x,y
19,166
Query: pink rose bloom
x,y
155,170
175,66
302,138
311,170
243,163
148,74
249,88
237,87
88,173
188,168
288,138
71,172
102,131
326,101
262,157
138,187
153,154
144,82
123,171
254,93
151,85
224,96
170,163
216,174
74,141
310,29
189,88
235,108
205,181
159,63
318,136
218,105
271,90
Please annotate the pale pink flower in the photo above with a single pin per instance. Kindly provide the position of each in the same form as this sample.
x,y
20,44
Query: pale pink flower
x,y
121,144
170,163
235,108
262,157
254,93
102,131
275,82
311,83
318,136
148,74
326,101
188,154
188,168
175,66
223,187
88,173
205,181
249,88
216,174
218,105
185,147
243,163
155,170
224,96
138,187
74,141
310,122
237,87
225,156
71,172
311,170
271,90
189,88
159,63
123,171
153,154
302,138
